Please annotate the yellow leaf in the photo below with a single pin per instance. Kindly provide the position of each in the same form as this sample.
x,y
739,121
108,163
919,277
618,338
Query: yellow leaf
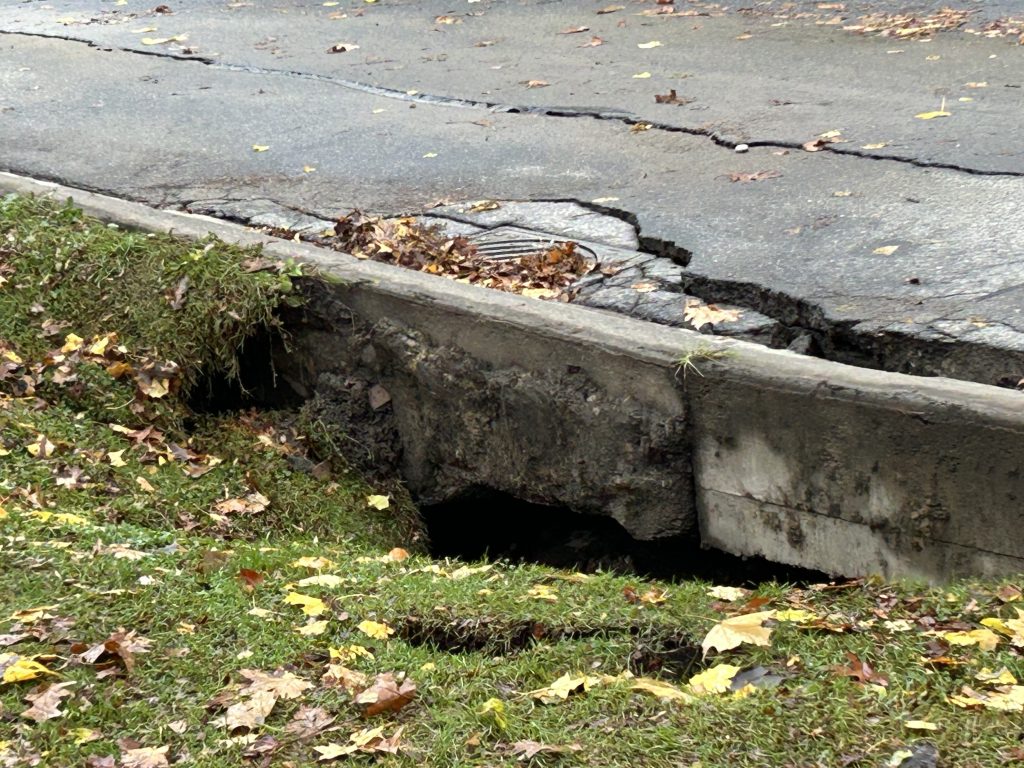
x,y
313,628
144,484
375,629
260,147
308,169
72,343
85,735
1001,677
920,725
932,115
378,502
731,633
115,458
543,592
32,615
886,250
641,75
321,580
660,689
349,653
41,447
162,40
647,46
796,615
430,154
316,563
717,679
985,639
564,686
311,606
729,594
17,668
878,145
1012,628
495,708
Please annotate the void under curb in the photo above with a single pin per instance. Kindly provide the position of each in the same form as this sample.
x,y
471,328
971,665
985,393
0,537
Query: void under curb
x,y
796,459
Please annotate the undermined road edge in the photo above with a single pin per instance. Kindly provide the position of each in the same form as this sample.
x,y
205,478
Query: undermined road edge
x,y
799,460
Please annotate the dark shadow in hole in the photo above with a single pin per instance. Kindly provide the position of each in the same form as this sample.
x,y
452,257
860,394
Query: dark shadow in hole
x,y
257,384
485,523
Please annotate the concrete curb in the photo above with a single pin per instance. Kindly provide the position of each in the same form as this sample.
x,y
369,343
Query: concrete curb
x,y
800,460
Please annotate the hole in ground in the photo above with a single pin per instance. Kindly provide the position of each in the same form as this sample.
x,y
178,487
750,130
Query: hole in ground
x,y
486,523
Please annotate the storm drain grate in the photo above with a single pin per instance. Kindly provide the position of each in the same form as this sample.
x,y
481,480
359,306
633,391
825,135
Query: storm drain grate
x,y
505,248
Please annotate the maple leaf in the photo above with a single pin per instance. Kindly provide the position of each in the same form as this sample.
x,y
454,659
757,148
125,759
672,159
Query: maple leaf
x,y
733,632
563,687
717,679
144,757
121,644
251,712
527,749
386,694
308,721
340,676
45,702
860,671
366,740
279,683
699,314
316,563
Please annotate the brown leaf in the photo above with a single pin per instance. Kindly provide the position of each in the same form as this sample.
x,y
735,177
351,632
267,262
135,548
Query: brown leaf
x,y
308,722
755,176
263,747
250,579
177,298
279,683
387,694
592,43
670,98
250,712
45,702
699,314
144,757
574,30
121,644
611,9
536,83
860,671
528,749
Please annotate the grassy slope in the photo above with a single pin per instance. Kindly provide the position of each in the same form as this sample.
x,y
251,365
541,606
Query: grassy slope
x,y
156,562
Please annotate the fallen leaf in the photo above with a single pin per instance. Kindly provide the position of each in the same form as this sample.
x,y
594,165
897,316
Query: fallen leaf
x,y
18,669
378,501
386,694
308,722
651,44
670,98
251,712
932,115
316,563
342,48
495,710
860,671
45,703
321,580
367,740
878,145
717,679
641,76
610,9
527,749
699,314
920,725
260,147
755,176
162,40
563,687
733,632
729,594
311,606
536,83
280,683
886,250
985,639
592,43
312,628
574,30
144,757
660,689
374,629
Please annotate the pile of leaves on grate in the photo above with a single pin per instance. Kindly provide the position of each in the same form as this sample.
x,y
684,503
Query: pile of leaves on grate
x,y
546,274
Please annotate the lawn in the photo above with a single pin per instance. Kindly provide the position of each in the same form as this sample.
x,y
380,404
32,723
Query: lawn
x,y
180,587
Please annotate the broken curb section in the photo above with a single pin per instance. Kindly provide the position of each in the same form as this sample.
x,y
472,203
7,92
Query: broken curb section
x,y
758,451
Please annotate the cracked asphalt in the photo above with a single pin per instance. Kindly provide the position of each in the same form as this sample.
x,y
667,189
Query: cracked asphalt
x,y
435,106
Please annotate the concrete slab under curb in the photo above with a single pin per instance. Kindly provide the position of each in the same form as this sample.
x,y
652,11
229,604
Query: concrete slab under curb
x,y
800,460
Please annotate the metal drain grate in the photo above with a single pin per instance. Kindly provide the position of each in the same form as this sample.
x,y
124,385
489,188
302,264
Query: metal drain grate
x,y
508,248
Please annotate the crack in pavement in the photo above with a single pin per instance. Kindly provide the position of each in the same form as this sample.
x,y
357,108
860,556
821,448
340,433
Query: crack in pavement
x,y
595,113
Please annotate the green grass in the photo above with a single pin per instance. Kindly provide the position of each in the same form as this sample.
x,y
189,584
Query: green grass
x,y
81,534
